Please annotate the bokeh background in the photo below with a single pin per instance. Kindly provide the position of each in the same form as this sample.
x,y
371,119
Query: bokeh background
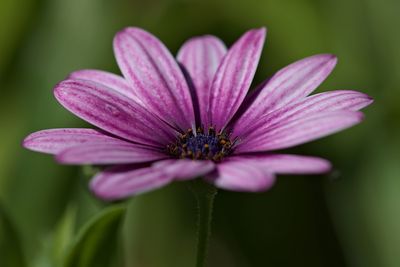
x,y
350,217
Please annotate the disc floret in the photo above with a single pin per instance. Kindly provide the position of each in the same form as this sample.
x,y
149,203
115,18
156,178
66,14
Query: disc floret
x,y
202,145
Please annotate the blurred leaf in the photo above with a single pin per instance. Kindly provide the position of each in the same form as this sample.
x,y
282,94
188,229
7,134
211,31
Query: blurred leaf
x,y
53,247
55,44
15,18
63,235
10,249
97,241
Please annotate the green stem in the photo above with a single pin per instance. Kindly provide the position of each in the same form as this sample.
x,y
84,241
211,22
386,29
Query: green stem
x,y
205,194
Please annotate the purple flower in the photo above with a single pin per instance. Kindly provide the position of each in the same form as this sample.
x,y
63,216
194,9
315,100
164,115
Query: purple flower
x,y
161,122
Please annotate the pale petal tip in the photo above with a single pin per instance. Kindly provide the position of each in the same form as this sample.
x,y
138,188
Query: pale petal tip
x,y
327,58
259,188
359,116
103,194
207,37
120,35
325,166
107,195
333,59
130,30
27,142
258,35
61,159
77,75
369,100
260,32
126,29
74,74
60,89
99,192
351,117
366,100
263,30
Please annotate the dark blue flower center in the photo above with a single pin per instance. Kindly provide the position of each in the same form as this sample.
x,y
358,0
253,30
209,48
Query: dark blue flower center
x,y
201,145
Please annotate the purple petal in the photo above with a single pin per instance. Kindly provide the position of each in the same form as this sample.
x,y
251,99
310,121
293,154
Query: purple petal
x,y
323,102
287,164
285,135
155,75
234,76
185,169
109,153
107,79
113,112
54,141
242,176
290,84
124,181
201,57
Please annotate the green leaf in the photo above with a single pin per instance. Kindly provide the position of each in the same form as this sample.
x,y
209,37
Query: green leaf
x,y
10,248
52,246
63,236
97,243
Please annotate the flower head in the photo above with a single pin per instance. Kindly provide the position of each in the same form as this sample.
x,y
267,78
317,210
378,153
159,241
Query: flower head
x,y
172,119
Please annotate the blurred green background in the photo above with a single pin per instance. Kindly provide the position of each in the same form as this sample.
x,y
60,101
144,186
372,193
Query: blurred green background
x,y
348,218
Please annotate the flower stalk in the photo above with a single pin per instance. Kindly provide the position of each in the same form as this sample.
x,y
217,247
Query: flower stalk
x,y
205,195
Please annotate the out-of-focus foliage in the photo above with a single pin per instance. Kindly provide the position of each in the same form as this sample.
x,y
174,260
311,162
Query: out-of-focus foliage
x,y
10,247
349,218
97,242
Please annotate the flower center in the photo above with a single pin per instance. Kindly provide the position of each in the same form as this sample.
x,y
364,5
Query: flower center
x,y
201,145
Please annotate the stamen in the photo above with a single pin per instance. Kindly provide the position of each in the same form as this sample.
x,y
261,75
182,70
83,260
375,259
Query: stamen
x,y
206,148
211,131
200,130
202,146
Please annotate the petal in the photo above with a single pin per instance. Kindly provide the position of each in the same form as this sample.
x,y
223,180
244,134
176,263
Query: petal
x,y
242,176
112,112
107,79
184,169
292,83
287,164
109,154
201,57
155,75
54,141
285,135
124,181
323,102
234,76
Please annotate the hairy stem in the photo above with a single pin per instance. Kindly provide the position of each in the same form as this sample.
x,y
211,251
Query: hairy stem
x,y
205,194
